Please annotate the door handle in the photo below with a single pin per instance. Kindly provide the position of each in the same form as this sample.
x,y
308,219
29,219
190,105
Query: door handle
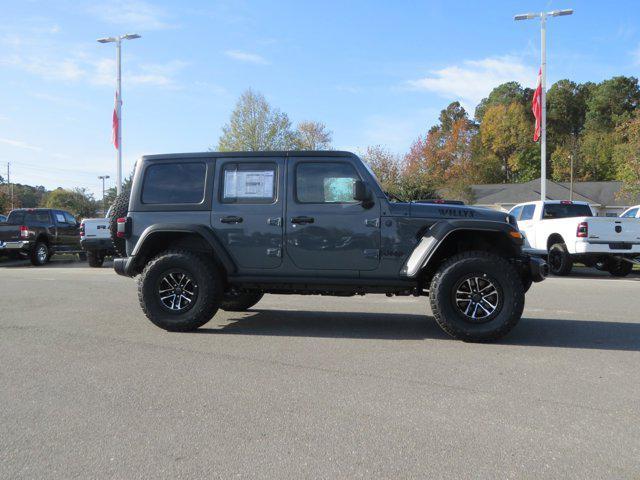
x,y
302,220
231,219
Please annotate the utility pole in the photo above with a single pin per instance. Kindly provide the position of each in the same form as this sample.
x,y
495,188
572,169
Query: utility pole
x,y
543,98
118,139
571,182
9,185
104,205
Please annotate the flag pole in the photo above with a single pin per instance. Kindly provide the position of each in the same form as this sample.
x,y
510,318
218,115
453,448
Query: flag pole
x,y
119,110
543,100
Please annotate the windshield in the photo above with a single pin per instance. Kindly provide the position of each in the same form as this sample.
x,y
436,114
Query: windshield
x,y
566,210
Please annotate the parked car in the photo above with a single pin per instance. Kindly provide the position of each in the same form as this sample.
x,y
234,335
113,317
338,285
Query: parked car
x,y
39,233
95,239
631,212
218,230
568,232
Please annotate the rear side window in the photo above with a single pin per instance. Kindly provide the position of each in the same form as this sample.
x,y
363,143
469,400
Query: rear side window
x,y
16,217
566,210
527,212
325,182
174,183
249,183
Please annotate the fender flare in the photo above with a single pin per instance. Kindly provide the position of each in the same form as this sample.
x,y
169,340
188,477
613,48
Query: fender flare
x,y
200,230
437,234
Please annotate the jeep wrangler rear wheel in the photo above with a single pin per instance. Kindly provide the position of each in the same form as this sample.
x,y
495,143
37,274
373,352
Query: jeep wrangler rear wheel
x,y
234,301
179,291
477,296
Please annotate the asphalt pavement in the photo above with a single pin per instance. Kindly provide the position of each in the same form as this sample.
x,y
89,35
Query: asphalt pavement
x,y
313,387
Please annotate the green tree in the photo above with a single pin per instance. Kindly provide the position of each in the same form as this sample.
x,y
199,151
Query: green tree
x,y
596,156
311,135
505,94
612,102
255,125
78,201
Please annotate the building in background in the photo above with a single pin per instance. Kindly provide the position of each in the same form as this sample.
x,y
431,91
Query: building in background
x,y
602,196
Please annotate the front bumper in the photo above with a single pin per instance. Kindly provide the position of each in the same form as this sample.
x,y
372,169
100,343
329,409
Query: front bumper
x,y
17,245
538,268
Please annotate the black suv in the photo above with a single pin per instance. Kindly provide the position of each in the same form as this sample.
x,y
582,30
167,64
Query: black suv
x,y
219,230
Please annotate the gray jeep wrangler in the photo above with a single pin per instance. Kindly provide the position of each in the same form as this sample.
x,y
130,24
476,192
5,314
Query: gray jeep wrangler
x,y
209,231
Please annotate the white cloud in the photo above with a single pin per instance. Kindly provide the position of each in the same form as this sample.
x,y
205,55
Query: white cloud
x,y
471,81
132,14
20,144
246,57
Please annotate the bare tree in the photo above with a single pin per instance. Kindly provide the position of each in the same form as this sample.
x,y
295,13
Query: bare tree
x,y
312,135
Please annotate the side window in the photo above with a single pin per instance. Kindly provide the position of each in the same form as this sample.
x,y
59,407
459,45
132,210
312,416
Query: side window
x,y
516,212
43,217
527,212
69,218
174,183
60,218
325,182
249,183
631,213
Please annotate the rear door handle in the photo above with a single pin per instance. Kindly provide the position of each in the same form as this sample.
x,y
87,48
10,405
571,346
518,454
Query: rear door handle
x,y
302,220
231,219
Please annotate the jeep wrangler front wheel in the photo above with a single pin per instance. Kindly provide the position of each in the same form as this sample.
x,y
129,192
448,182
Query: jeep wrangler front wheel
x,y
179,291
477,296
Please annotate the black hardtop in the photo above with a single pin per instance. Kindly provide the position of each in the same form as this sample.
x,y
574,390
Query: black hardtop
x,y
283,153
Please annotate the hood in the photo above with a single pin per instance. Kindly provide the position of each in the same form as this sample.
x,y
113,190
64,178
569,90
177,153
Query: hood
x,y
430,210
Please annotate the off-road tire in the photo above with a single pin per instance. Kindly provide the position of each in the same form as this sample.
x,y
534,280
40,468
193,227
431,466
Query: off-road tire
x,y
619,268
37,259
239,301
119,209
209,290
82,257
452,320
560,261
95,258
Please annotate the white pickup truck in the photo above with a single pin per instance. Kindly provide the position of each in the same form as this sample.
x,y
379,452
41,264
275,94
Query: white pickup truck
x,y
95,239
631,212
568,232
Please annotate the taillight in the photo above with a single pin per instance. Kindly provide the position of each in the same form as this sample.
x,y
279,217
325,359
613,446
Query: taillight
x,y
82,229
583,230
24,231
124,227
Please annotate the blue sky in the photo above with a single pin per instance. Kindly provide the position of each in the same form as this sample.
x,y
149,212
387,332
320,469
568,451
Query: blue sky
x,y
376,72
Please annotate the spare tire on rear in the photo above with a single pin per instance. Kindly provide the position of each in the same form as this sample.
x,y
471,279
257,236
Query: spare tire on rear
x,y
119,209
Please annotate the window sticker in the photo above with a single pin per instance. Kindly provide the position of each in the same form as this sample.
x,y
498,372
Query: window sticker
x,y
60,218
338,189
249,184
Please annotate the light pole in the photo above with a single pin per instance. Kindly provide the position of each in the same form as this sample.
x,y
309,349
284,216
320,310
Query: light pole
x,y
543,99
118,139
104,205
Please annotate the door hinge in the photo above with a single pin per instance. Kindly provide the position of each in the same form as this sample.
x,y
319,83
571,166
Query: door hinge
x,y
373,222
371,253
274,221
274,252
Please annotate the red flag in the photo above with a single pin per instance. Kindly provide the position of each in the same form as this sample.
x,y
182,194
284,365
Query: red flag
x,y
115,125
536,106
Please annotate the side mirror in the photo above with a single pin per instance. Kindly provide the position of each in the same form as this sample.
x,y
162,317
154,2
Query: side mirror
x,y
360,191
361,194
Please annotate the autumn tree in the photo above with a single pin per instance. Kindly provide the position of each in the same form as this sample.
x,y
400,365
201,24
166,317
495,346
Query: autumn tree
x,y
255,125
387,168
506,132
310,135
627,157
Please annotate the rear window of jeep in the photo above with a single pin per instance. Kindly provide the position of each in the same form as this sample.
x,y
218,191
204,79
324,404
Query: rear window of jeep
x,y
174,183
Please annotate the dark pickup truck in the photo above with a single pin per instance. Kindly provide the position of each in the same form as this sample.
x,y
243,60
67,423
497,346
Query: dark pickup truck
x,y
38,233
